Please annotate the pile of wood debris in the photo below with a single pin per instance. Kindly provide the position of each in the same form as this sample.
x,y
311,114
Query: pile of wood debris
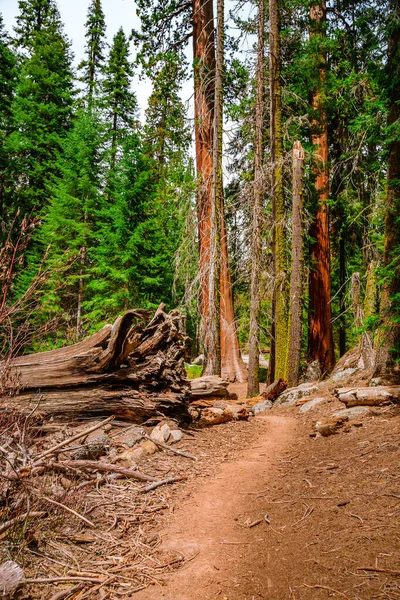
x,y
64,484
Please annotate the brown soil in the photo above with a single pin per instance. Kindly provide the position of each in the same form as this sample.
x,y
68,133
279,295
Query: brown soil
x,y
332,504
332,507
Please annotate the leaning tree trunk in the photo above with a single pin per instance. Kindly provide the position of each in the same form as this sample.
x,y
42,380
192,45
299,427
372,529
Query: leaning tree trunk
x,y
204,107
388,342
320,335
296,280
280,316
253,385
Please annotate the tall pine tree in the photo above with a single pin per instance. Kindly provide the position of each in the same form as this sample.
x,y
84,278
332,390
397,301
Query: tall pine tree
x,y
43,102
92,66
120,101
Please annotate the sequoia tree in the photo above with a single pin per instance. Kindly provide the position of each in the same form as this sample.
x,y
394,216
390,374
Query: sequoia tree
x,y
320,335
195,18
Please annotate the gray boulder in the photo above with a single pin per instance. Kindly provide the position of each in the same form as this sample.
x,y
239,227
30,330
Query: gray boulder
x,y
293,394
262,406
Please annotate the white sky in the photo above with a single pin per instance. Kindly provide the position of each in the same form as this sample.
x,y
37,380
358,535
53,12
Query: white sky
x,y
117,13
74,13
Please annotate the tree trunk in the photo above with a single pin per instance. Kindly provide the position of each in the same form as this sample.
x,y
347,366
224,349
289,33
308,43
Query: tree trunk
x,y
388,342
253,385
213,347
366,347
280,316
342,295
204,74
204,106
296,280
320,337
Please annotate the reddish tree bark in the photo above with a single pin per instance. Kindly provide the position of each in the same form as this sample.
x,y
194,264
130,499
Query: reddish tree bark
x,y
320,335
204,105
204,72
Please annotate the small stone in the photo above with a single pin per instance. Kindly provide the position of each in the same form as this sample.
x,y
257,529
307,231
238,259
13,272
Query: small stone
x,y
200,360
310,405
131,436
148,447
175,436
11,577
219,404
160,433
330,426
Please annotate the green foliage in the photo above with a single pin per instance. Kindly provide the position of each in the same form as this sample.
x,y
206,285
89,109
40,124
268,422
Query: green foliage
x,y
193,371
41,110
92,66
8,79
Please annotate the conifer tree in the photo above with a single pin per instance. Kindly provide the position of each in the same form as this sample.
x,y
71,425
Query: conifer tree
x,y
8,75
71,220
166,132
121,102
43,101
92,66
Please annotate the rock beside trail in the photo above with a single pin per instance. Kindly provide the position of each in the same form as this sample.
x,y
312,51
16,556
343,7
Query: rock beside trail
x,y
310,405
175,436
294,394
352,413
132,456
132,436
330,426
261,406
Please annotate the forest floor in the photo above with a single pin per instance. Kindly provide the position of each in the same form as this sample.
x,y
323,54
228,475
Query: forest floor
x,y
266,512
332,506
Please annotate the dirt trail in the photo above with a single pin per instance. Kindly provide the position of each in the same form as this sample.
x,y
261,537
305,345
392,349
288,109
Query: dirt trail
x,y
230,558
333,506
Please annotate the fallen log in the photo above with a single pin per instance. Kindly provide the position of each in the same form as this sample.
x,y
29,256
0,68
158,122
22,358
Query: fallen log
x,y
133,369
209,385
368,396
